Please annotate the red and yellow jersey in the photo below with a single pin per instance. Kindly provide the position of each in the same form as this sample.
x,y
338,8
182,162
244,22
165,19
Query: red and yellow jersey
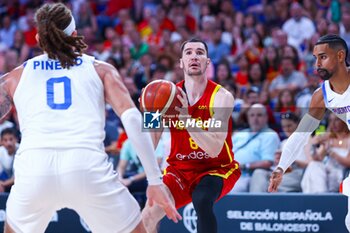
x,y
186,156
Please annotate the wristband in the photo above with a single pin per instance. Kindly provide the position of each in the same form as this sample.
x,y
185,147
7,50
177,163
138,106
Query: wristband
x,y
142,144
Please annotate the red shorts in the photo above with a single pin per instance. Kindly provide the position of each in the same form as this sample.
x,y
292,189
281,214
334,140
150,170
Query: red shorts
x,y
181,184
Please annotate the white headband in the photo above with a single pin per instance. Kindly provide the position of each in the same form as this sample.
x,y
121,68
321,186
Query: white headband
x,y
70,28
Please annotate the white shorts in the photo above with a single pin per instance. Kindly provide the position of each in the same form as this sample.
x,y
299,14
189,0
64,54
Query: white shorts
x,y
79,179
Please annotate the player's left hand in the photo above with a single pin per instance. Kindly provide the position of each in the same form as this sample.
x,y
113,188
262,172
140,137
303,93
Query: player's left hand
x,y
183,111
275,179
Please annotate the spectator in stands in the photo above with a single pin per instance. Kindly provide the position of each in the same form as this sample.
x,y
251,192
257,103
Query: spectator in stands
x,y
290,51
333,28
288,78
241,77
254,147
11,60
322,26
223,73
285,102
256,77
330,155
29,28
279,38
85,17
131,172
7,31
207,27
166,60
248,26
251,97
8,148
299,27
253,47
99,51
303,97
20,47
217,49
291,180
139,48
270,62
345,23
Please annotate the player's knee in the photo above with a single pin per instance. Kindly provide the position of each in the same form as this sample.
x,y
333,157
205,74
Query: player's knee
x,y
347,221
202,201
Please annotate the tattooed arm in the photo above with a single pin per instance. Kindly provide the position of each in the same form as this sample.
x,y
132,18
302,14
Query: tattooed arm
x,y
5,98
8,85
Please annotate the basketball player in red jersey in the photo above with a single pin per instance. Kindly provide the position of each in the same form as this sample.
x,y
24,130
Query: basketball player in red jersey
x,y
201,167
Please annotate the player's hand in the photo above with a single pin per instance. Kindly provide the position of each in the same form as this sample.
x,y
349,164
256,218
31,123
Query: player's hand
x,y
275,179
183,111
157,194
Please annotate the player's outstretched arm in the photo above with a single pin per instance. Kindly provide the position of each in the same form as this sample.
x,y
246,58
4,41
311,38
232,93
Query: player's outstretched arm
x,y
296,142
211,141
118,97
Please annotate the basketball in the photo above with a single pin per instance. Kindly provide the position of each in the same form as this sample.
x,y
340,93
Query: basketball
x,y
160,95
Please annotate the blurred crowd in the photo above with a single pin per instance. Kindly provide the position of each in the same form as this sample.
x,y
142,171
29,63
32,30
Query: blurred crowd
x,y
260,50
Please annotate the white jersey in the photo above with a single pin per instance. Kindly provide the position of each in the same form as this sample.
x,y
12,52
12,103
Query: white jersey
x,y
337,103
60,108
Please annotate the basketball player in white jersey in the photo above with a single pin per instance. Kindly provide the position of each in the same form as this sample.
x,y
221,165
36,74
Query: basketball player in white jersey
x,y
330,52
60,100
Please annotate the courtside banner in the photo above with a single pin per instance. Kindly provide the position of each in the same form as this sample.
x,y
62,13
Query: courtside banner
x,y
239,213
270,213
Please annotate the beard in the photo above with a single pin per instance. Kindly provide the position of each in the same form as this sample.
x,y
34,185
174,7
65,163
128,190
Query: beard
x,y
194,72
324,74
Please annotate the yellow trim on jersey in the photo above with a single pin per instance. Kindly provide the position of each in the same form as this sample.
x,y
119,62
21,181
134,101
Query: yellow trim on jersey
x,y
212,97
225,176
228,151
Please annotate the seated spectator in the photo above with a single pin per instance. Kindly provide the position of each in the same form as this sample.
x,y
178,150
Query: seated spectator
x,y
292,52
217,49
256,77
330,158
254,147
292,178
285,102
298,27
223,72
115,146
289,78
252,97
270,62
253,47
8,148
241,77
131,172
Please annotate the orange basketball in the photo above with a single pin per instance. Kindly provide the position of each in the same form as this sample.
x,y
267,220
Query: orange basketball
x,y
160,95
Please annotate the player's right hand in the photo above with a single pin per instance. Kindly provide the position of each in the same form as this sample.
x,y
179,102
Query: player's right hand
x,y
157,194
275,179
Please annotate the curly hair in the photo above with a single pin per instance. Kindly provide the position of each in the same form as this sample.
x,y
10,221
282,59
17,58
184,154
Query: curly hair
x,y
51,20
